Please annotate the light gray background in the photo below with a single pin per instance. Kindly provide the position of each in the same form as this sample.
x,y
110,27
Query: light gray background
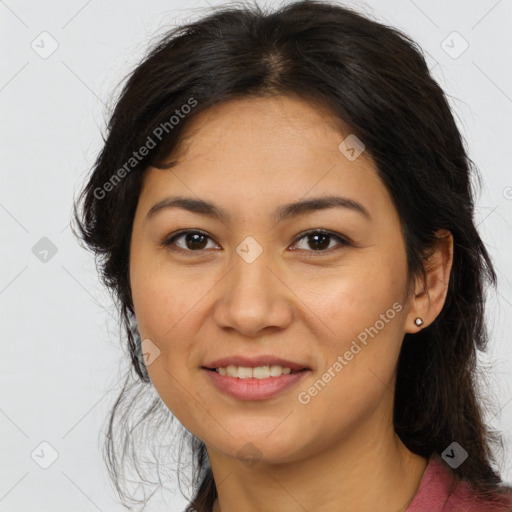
x,y
61,363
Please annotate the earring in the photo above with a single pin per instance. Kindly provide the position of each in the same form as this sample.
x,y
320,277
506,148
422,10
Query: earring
x,y
418,321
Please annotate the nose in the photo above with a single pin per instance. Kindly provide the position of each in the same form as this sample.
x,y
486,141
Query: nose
x,y
253,297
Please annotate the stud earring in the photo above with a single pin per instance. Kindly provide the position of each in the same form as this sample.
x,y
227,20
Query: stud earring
x,y
418,321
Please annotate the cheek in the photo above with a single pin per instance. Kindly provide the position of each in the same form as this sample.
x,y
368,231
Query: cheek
x,y
351,299
165,319
177,390
363,309
167,305
341,407
163,296
359,359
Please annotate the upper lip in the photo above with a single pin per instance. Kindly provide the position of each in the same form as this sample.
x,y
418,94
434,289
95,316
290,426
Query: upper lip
x,y
252,362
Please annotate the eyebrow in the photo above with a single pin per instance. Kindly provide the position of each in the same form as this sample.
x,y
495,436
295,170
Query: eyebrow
x,y
284,212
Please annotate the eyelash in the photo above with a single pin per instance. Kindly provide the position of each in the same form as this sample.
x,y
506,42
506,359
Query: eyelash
x,y
344,242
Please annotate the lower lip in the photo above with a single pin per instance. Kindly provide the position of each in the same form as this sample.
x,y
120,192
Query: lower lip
x,y
254,389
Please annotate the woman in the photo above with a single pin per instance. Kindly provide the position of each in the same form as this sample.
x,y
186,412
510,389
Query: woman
x,y
283,209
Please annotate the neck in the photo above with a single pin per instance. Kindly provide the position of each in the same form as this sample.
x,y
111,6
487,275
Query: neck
x,y
380,474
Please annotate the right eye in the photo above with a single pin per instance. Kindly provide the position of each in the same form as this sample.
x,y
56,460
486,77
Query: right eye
x,y
187,241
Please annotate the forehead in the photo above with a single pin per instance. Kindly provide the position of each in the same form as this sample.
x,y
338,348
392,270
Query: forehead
x,y
277,121
262,149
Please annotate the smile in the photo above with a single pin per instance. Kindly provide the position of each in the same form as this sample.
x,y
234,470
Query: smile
x,y
257,383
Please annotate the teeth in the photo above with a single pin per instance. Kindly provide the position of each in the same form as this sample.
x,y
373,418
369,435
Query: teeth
x,y
260,372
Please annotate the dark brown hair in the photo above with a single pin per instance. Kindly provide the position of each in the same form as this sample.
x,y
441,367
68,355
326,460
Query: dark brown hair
x,y
374,79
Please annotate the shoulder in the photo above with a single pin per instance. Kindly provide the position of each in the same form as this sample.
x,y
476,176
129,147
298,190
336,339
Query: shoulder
x,y
441,491
466,499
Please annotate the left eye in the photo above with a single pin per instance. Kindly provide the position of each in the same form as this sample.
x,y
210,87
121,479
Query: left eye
x,y
196,241
319,240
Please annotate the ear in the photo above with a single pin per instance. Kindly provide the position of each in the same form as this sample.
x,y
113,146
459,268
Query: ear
x,y
430,293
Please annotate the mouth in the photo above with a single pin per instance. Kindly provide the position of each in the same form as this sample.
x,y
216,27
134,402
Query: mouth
x,y
260,366
254,383
257,372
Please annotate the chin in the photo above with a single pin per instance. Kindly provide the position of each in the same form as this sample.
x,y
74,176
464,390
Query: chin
x,y
262,447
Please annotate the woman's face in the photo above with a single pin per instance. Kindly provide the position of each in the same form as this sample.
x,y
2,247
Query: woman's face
x,y
253,284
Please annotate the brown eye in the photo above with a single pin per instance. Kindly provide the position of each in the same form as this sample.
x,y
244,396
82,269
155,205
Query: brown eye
x,y
320,241
195,241
317,241
188,241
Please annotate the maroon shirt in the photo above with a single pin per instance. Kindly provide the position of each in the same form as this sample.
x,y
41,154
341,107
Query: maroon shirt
x,y
441,491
